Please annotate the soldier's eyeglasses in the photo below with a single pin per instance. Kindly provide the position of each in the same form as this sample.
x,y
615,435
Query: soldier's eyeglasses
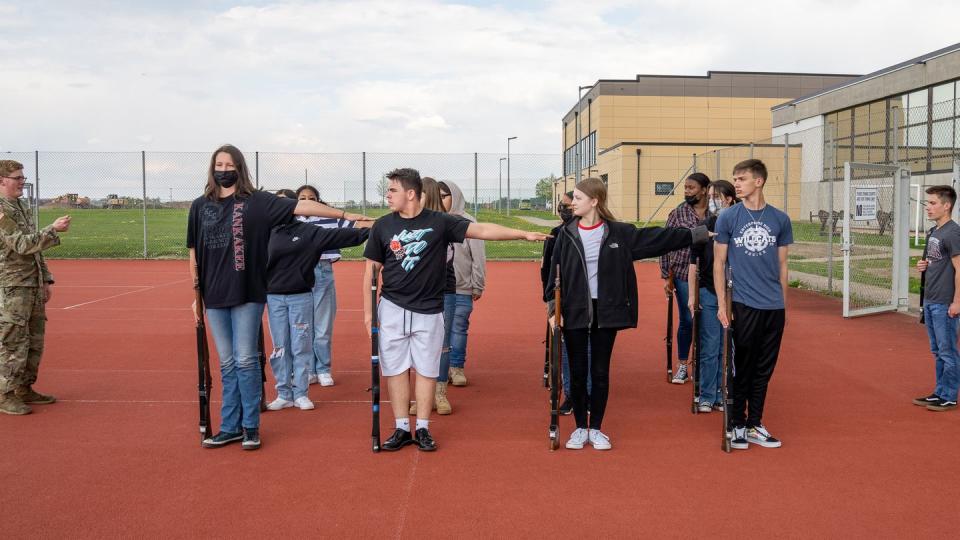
x,y
17,178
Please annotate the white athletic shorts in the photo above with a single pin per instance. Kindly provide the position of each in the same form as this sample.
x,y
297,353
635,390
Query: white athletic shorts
x,y
409,339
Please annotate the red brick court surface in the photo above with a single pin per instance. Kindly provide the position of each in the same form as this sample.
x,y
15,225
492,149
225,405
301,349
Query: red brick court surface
x,y
119,455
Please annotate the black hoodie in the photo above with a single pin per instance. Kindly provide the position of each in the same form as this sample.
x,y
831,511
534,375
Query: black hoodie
x,y
622,244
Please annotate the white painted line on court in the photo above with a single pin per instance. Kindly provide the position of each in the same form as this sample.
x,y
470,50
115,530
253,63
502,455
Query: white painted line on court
x,y
126,293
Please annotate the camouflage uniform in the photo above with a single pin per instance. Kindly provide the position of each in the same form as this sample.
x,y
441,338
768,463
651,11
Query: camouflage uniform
x,y
23,272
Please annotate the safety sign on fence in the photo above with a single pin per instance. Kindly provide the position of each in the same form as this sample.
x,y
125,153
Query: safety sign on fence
x,y
866,204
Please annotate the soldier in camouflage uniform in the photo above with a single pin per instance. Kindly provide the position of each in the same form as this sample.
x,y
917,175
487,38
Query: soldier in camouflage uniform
x,y
25,286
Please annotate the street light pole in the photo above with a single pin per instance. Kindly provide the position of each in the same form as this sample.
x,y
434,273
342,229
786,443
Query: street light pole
x,y
500,193
508,173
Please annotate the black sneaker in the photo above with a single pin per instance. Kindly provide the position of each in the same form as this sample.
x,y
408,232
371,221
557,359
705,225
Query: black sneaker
x,y
760,436
942,405
221,439
739,441
932,399
566,408
424,441
251,439
398,440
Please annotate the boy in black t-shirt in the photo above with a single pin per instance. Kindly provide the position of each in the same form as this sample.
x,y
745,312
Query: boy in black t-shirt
x,y
410,245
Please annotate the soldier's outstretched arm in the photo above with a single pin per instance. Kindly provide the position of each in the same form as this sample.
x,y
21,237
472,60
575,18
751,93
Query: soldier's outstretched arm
x,y
29,243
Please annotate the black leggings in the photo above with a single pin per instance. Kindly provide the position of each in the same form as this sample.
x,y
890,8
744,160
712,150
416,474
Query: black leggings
x,y
601,347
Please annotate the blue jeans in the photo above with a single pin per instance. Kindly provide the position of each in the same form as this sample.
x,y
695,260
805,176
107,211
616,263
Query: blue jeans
x,y
291,329
942,329
565,367
711,343
685,326
235,332
324,311
456,321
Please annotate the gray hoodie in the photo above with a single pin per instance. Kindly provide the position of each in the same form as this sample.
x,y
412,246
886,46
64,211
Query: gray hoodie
x,y
469,258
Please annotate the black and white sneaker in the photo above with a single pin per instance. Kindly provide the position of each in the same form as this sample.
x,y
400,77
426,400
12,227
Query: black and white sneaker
x,y
222,439
739,441
760,435
398,440
932,399
680,377
942,405
251,439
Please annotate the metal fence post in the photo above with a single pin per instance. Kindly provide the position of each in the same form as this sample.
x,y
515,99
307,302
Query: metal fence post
x,y
363,200
751,150
256,169
694,162
833,179
786,171
475,188
36,190
143,169
716,154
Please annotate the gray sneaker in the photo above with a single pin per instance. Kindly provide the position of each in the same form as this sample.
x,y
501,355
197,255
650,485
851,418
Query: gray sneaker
x,y
680,376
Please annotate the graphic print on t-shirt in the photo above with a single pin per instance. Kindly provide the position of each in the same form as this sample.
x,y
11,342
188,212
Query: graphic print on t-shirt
x,y
239,259
215,235
755,237
408,245
933,249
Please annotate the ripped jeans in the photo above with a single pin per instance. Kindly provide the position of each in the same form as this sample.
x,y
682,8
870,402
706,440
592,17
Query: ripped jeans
x,y
291,329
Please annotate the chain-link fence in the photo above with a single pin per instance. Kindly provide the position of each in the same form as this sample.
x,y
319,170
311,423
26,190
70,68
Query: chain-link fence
x,y
135,204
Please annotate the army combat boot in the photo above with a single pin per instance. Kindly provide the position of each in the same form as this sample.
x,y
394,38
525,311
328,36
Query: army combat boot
x,y
440,401
28,395
11,404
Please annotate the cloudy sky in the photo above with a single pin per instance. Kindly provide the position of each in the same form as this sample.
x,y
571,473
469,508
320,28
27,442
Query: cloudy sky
x,y
396,76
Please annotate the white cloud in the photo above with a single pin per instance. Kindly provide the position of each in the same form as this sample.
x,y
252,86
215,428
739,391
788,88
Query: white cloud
x,y
380,75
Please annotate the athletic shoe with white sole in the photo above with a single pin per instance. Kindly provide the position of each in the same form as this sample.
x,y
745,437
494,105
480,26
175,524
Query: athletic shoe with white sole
x,y
943,405
599,440
680,376
759,435
312,378
577,439
325,379
739,441
221,439
278,404
251,439
932,399
705,407
303,403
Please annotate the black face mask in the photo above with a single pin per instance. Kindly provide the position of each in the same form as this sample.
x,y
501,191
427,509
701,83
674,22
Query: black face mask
x,y
225,178
692,199
566,213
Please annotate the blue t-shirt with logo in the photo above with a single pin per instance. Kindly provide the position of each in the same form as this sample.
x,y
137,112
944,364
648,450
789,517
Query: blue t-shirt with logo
x,y
753,239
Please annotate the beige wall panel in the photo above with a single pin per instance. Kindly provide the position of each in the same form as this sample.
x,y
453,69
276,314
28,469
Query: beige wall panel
x,y
625,101
740,112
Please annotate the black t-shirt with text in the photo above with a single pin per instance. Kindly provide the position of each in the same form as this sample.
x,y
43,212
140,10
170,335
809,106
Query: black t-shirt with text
x,y
294,250
230,236
704,255
413,252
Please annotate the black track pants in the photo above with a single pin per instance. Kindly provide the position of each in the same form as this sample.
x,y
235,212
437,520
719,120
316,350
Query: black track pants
x,y
601,347
756,343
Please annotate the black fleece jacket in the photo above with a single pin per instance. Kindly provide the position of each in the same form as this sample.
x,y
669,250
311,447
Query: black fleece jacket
x,y
622,244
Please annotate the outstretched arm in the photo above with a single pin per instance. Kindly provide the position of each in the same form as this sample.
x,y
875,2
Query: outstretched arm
x,y
492,231
313,208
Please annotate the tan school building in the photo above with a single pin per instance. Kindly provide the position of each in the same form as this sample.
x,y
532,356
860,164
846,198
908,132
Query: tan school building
x,y
640,135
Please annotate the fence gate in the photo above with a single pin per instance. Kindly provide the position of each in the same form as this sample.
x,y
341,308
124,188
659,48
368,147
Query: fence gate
x,y
876,238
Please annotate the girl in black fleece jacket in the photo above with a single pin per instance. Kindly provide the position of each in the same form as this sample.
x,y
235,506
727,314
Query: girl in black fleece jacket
x,y
595,254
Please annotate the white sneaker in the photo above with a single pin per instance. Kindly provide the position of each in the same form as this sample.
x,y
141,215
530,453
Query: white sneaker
x,y
278,404
312,379
325,379
577,439
599,440
705,407
303,403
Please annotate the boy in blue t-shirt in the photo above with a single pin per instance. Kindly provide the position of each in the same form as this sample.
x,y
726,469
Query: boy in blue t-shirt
x,y
752,239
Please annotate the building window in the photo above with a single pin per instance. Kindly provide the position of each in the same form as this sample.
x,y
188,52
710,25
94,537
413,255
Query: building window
x,y
662,188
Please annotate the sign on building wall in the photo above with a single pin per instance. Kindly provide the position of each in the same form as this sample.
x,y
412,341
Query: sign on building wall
x,y
866,204
662,188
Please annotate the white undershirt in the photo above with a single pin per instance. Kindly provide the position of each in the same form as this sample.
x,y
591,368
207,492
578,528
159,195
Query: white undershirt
x,y
592,238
